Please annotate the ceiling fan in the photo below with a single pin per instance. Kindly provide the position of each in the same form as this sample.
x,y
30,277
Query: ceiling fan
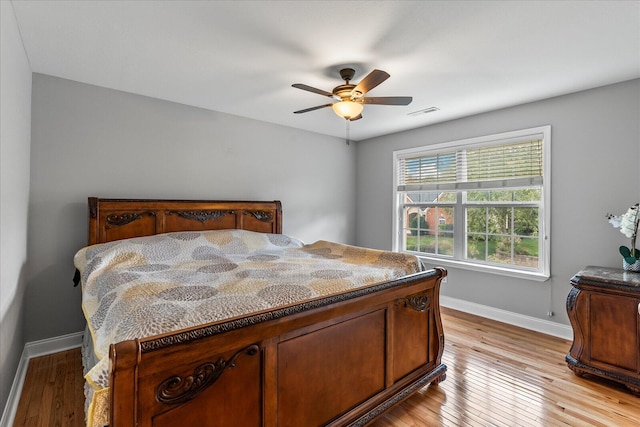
x,y
351,97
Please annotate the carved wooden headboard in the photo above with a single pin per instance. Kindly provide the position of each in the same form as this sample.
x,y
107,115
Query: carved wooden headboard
x,y
115,219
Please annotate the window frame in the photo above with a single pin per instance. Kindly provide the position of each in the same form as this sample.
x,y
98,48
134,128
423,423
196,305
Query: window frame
x,y
542,273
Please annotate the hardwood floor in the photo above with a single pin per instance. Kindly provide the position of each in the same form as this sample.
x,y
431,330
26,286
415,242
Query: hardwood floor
x,y
498,375
501,375
52,394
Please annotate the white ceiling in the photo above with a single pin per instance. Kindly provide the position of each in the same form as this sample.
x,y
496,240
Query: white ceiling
x,y
241,57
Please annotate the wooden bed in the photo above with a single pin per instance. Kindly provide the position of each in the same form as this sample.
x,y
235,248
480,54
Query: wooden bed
x,y
337,361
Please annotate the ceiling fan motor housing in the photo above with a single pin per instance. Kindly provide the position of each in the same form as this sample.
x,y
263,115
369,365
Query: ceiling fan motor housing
x,y
343,92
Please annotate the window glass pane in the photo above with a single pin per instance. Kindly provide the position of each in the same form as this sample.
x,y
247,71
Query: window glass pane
x,y
414,225
447,197
499,249
427,244
525,221
527,195
445,218
411,243
421,196
418,234
445,243
526,252
477,196
477,220
501,195
477,247
499,220
430,197
429,229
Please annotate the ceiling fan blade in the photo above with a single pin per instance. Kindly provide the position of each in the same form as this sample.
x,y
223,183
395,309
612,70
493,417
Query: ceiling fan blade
x,y
370,81
312,89
388,100
306,110
358,117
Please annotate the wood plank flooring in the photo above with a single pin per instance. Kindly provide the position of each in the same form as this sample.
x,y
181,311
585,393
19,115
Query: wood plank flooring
x,y
52,394
498,375
501,375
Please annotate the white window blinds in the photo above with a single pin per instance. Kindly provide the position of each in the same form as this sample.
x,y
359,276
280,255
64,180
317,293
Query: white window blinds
x,y
495,165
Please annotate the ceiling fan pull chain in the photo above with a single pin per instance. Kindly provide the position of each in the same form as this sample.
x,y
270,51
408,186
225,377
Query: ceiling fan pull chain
x,y
348,137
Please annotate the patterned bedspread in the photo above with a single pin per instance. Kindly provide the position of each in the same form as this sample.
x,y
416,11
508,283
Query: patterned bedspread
x,y
146,286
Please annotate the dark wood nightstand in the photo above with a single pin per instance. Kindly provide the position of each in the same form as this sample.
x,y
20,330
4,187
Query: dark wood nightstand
x,y
604,310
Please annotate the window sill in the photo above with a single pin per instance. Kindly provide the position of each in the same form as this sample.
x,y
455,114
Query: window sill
x,y
483,268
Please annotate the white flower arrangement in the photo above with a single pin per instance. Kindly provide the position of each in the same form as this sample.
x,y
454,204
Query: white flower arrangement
x,y
628,225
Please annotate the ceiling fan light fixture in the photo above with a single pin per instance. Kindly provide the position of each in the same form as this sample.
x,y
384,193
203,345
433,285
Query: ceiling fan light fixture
x,y
347,109
350,98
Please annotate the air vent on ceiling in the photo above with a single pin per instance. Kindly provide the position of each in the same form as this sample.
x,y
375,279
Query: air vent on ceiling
x,y
424,111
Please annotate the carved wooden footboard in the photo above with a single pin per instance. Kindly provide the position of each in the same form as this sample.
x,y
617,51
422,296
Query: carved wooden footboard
x,y
337,361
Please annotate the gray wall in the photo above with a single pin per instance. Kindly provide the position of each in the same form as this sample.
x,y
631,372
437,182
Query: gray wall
x,y
87,140
595,155
15,141
91,141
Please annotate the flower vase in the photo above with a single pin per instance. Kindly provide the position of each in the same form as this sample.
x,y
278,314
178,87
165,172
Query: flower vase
x,y
631,267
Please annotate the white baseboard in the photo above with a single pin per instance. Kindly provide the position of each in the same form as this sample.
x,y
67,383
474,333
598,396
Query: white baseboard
x,y
528,322
53,345
31,350
9,413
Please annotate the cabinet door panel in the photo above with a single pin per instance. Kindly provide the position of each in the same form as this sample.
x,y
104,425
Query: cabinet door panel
x,y
614,331
330,370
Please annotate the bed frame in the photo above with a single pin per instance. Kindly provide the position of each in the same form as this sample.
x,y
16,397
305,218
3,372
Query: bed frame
x,y
336,361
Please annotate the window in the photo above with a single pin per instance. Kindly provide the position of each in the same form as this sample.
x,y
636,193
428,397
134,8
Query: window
x,y
480,203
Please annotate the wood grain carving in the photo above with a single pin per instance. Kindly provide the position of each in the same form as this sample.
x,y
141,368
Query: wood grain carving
x,y
263,216
571,298
124,219
177,389
418,302
202,216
